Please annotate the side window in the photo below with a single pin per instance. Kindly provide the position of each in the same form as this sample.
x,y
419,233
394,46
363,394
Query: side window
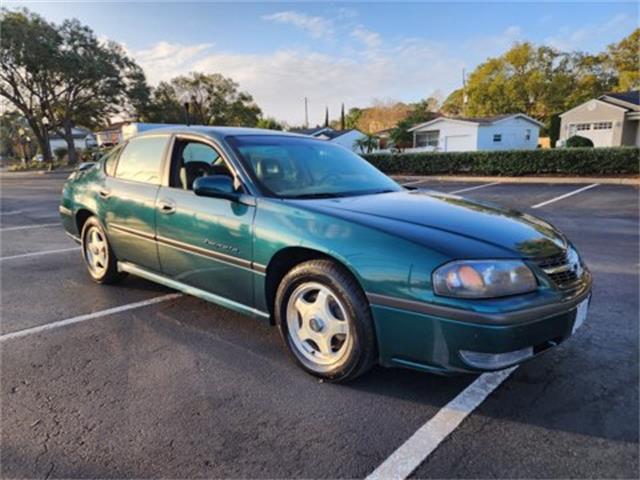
x,y
191,160
141,159
111,160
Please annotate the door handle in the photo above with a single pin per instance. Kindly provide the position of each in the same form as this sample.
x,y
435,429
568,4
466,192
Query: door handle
x,y
167,206
104,193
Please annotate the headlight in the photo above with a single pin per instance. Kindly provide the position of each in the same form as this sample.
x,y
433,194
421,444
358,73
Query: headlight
x,y
483,279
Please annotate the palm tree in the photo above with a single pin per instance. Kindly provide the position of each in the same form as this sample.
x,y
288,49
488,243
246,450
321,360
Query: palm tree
x,y
367,144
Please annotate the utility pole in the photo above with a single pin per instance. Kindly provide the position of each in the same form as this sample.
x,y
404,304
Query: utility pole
x,y
342,120
306,112
465,99
326,116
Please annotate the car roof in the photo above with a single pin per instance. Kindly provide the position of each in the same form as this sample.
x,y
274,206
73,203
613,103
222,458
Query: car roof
x,y
219,132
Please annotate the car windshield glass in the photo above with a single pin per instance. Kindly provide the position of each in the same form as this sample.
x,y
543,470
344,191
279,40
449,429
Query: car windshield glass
x,y
294,167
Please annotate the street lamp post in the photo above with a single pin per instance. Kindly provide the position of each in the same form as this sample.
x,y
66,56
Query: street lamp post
x,y
21,134
47,147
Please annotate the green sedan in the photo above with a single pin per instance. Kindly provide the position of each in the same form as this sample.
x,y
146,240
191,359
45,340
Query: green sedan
x,y
353,268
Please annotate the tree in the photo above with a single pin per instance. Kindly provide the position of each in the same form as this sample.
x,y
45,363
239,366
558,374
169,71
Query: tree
x,y
212,99
342,118
13,127
352,118
454,103
423,111
326,117
64,74
400,136
367,144
624,57
382,115
269,123
537,81
29,49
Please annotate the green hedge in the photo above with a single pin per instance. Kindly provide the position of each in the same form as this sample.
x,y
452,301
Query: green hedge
x,y
559,161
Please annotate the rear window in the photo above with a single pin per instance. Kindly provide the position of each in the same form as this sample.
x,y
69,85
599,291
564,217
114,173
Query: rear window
x,y
141,159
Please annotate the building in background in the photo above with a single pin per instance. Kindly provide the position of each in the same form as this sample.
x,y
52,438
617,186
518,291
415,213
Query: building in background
x,y
610,120
456,134
82,139
346,138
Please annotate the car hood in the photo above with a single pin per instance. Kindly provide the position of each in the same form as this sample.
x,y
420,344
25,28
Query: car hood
x,y
448,223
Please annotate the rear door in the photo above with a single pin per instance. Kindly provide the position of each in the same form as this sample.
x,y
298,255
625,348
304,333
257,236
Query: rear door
x,y
129,200
204,242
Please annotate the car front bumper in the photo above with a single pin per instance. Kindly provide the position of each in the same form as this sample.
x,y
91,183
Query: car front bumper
x,y
448,341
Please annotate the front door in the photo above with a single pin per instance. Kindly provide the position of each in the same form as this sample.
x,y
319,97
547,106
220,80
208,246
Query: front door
x,y
204,242
129,199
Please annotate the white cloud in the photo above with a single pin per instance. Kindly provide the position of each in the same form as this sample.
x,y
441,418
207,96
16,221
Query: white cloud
x,y
165,60
317,27
493,45
580,38
367,37
407,70
279,81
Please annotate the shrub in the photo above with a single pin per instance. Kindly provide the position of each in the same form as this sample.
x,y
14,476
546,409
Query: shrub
x,y
565,161
33,165
577,141
60,153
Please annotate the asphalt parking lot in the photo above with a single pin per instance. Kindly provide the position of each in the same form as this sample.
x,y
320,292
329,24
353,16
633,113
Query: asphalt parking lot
x,y
183,389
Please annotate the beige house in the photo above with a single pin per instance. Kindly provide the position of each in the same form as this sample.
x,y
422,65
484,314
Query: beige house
x,y
608,121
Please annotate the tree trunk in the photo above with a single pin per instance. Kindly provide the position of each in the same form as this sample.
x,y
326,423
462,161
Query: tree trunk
x,y
71,146
42,138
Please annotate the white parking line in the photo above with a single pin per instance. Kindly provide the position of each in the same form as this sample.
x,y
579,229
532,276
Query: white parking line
x,y
89,316
403,461
474,188
35,254
419,446
24,227
14,212
565,195
414,182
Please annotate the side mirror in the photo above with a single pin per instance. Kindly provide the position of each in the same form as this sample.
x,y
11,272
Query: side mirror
x,y
216,186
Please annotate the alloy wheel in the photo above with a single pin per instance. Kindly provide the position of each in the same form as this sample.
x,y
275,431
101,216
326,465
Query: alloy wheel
x,y
318,324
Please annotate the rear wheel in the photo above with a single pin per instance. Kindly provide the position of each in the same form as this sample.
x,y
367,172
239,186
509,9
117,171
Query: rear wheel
x,y
97,253
325,321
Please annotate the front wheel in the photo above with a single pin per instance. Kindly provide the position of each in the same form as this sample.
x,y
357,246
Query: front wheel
x,y
325,321
97,253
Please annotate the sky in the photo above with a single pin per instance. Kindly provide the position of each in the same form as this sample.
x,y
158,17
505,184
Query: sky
x,y
334,52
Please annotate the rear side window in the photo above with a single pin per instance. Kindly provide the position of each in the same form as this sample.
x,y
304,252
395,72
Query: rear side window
x,y
141,159
111,160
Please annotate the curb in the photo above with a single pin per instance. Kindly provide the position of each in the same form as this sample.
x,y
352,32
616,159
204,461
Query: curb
x,y
559,180
28,173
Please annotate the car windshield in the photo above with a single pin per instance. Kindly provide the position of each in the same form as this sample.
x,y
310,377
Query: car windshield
x,y
294,167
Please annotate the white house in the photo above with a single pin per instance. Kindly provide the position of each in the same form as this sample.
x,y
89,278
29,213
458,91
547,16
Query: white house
x,y
611,120
503,132
346,138
82,139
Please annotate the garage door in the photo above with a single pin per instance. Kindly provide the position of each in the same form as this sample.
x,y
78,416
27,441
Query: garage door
x,y
458,143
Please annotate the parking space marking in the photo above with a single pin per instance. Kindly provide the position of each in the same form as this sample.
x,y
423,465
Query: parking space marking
x,y
88,316
35,254
421,444
14,212
566,195
474,188
414,182
25,227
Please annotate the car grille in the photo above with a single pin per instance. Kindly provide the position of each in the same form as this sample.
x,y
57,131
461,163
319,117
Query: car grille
x,y
563,270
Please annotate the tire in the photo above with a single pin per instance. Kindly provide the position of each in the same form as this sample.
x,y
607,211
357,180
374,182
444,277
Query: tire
x,y
98,256
325,321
